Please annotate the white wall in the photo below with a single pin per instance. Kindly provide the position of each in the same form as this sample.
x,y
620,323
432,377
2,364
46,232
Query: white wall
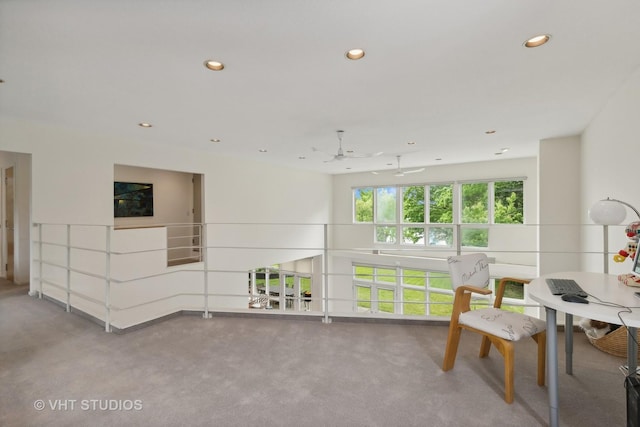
x,y
73,178
610,146
559,204
73,173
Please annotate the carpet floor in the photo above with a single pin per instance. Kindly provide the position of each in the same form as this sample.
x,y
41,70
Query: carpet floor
x,y
60,369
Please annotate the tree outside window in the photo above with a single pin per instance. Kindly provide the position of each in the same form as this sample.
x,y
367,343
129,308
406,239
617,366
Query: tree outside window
x,y
475,210
508,202
413,212
363,209
441,212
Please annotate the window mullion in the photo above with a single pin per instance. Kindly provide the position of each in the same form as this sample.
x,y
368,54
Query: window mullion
x,y
427,205
399,214
397,294
490,203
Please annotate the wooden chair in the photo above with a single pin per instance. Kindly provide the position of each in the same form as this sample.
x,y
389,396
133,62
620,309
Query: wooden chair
x,y
470,274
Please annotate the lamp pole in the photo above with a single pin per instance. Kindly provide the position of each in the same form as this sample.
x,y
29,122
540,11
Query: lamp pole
x,y
605,240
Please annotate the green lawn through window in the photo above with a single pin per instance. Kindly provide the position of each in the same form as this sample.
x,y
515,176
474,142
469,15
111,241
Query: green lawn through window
x,y
415,290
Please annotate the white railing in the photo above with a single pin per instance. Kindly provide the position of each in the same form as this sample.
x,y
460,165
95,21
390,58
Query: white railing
x,y
125,277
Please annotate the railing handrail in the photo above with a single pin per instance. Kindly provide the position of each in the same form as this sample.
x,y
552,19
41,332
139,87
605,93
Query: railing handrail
x,y
201,265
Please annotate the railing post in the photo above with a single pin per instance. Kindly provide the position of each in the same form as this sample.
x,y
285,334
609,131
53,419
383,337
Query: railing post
x,y
605,248
107,285
267,284
326,276
40,263
205,258
68,268
296,291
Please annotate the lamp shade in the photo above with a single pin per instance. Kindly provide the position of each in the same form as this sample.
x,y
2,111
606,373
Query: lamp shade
x,y
607,212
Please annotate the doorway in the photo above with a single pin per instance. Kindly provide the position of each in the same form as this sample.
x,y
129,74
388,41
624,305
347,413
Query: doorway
x,y
9,222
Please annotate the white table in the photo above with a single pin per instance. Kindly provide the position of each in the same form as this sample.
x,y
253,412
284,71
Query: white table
x,y
603,286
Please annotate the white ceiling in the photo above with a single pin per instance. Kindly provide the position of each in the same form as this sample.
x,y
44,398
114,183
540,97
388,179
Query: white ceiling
x,y
436,72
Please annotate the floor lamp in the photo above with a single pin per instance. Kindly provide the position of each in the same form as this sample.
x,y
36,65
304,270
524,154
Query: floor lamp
x,y
609,212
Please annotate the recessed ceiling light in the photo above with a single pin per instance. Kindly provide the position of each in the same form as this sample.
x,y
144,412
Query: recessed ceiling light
x,y
438,159
349,151
263,150
490,132
411,143
215,139
505,149
538,40
213,65
355,54
144,125
301,157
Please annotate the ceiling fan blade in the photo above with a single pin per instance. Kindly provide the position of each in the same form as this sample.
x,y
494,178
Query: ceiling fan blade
x,y
363,156
341,155
317,150
414,171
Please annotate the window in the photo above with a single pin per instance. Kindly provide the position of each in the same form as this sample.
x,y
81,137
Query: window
x,y
375,289
425,215
440,212
385,213
415,292
363,205
413,213
475,210
508,202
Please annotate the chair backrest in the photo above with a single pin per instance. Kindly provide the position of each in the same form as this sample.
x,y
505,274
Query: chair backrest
x,y
469,269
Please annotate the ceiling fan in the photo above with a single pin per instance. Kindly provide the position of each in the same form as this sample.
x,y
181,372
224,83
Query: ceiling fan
x,y
340,155
400,171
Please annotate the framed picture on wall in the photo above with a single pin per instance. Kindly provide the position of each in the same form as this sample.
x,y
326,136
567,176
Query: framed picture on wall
x,y
132,199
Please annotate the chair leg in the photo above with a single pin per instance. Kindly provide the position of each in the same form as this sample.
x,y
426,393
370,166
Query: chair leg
x,y
485,347
541,339
453,339
508,372
506,349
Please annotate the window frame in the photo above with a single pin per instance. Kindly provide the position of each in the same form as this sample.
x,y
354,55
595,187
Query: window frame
x,y
431,290
456,205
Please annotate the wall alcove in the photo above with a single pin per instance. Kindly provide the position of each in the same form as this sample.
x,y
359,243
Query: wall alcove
x,y
177,207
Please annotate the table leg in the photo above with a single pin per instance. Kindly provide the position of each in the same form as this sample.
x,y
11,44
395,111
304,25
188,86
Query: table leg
x,y
552,365
632,350
568,342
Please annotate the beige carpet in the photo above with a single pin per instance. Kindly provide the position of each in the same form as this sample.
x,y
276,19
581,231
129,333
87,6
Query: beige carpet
x,y
247,371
